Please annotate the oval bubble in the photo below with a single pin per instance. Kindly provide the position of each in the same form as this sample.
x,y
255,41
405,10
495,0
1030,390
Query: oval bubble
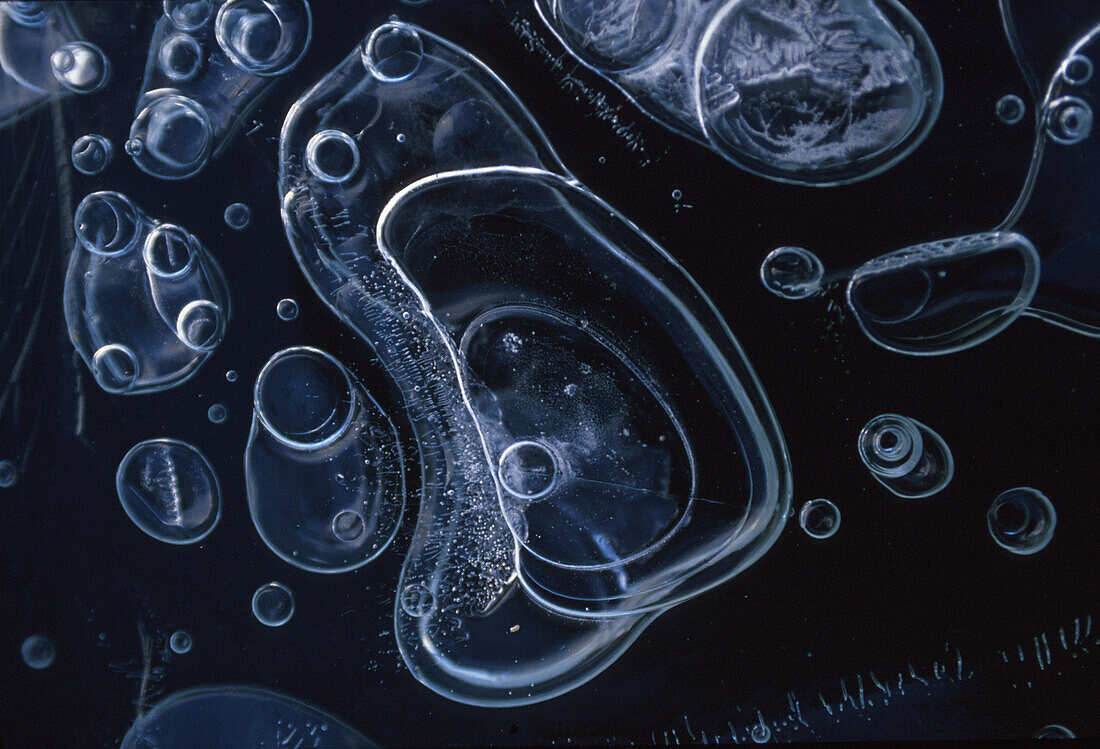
x,y
9,474
115,367
39,651
107,223
1011,109
201,325
180,57
819,518
168,488
237,216
1022,520
393,52
945,296
168,252
264,37
172,137
188,15
323,466
616,35
792,272
80,67
905,456
273,604
92,153
180,642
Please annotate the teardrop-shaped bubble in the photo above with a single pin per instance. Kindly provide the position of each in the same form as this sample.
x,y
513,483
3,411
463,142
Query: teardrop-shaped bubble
x,y
905,456
1022,520
264,37
80,67
92,153
172,137
323,466
944,296
816,93
792,273
168,488
229,717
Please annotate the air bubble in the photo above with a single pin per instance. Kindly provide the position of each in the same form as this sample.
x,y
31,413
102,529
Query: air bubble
x,y
905,456
115,367
1076,70
332,156
287,309
238,216
348,526
820,518
172,137
80,67
216,413
180,57
231,375
273,604
107,223
188,15
1011,109
180,642
792,273
92,153
168,488
417,600
1022,520
528,470
1068,120
1054,731
39,651
9,474
201,325
264,37
168,252
393,52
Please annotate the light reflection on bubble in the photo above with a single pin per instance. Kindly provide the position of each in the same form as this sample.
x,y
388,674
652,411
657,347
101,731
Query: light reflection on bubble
x,y
237,216
819,518
92,153
905,456
273,604
1022,520
168,488
39,652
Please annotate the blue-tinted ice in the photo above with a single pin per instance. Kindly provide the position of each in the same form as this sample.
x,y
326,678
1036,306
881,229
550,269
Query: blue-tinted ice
x,y
230,717
594,446
145,302
905,456
209,64
817,92
168,488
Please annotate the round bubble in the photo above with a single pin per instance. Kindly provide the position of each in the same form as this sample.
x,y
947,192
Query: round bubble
x,y
9,474
273,604
1076,70
39,651
792,272
200,325
115,367
1010,109
237,216
180,57
820,518
286,309
172,137
1022,520
417,600
169,252
332,156
180,642
188,15
528,470
92,153
1054,731
216,413
393,52
107,223
264,37
1068,120
231,375
169,490
80,67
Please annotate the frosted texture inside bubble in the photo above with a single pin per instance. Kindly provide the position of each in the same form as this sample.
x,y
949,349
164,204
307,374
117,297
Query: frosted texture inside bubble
x,y
168,488
792,272
324,465
228,717
808,91
145,303
560,373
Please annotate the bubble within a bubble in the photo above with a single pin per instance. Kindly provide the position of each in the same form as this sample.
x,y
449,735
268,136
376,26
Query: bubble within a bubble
x,y
237,216
8,474
92,153
820,518
216,413
80,67
905,456
273,604
792,272
180,642
286,309
1010,109
1068,120
39,651
169,490
1022,520
231,375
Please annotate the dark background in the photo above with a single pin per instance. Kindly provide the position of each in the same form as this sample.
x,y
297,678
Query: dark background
x,y
903,583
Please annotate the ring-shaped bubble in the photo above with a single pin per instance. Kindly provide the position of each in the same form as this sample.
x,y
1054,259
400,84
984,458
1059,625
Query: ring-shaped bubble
x,y
180,642
819,518
80,67
291,378
38,652
1076,70
1068,120
188,15
528,470
890,445
792,272
107,223
200,325
264,37
172,137
180,57
332,156
169,490
393,52
1022,520
169,252
115,367
91,154
273,604
1010,109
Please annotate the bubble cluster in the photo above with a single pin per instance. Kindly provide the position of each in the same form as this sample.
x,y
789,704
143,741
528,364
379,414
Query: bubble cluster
x,y
169,490
273,604
92,153
1022,520
905,456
